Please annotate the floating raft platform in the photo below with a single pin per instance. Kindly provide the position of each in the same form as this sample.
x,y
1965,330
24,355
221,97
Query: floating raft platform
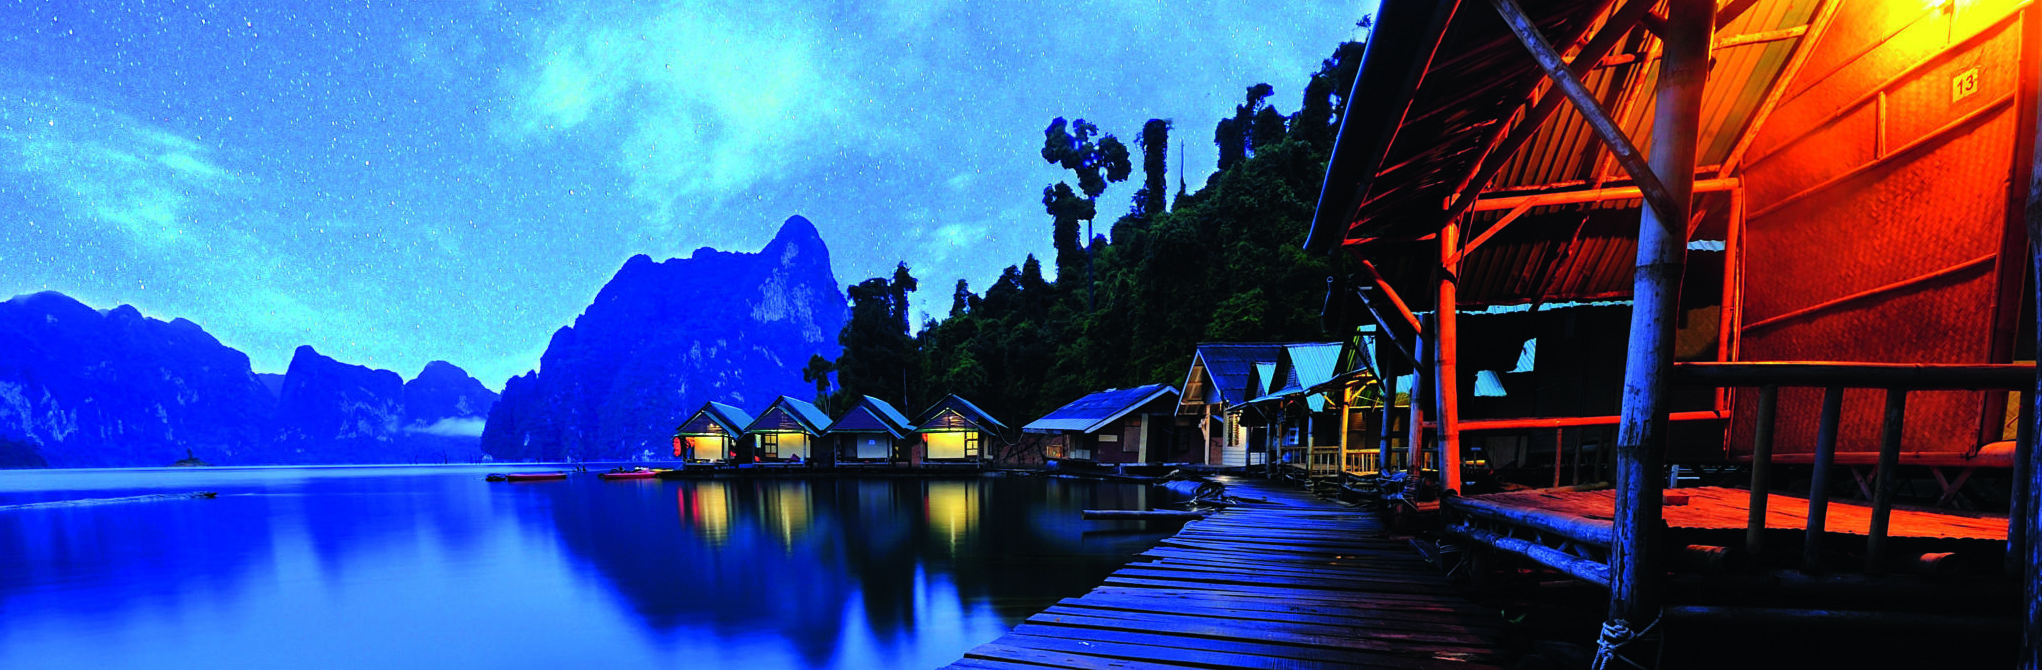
x,y
1712,508
1291,582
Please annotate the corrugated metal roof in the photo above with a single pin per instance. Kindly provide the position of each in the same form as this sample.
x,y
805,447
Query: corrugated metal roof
x,y
1303,366
872,415
788,414
964,410
1100,410
1225,366
1424,152
731,420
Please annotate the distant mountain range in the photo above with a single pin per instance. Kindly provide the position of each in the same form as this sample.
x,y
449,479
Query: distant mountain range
x,y
81,387
664,337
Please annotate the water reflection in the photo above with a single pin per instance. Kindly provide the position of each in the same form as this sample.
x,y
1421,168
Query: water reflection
x,y
432,567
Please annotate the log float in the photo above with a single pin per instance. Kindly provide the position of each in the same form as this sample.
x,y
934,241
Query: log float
x,y
1141,515
88,502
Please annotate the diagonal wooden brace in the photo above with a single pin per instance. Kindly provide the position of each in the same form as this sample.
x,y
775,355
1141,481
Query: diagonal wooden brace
x,y
1620,145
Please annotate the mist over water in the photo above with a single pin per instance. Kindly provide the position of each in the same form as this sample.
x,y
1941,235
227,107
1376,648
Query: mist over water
x,y
432,567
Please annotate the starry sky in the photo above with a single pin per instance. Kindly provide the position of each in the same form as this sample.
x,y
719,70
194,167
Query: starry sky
x,y
400,182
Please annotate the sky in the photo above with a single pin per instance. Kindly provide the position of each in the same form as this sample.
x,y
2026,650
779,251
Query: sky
x,y
400,182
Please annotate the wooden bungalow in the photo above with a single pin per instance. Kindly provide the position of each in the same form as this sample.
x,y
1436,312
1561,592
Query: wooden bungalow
x,y
789,428
1785,241
714,433
1303,420
1115,426
872,432
1215,387
956,430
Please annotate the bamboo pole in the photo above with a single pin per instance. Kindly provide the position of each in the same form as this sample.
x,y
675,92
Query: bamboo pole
x,y
1388,429
1882,495
1761,469
1635,559
2024,509
1446,382
2024,448
1414,446
1818,481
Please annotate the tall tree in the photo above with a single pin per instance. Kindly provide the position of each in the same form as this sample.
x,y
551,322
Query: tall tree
x,y
1096,163
1155,142
818,372
878,352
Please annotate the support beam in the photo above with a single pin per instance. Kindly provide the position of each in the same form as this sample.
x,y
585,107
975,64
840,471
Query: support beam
x,y
1414,445
1592,195
1499,152
1635,555
1657,197
1388,333
1446,381
1404,310
2025,511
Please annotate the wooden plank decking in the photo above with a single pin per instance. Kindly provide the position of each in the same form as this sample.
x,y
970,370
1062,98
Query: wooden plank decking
x,y
1295,583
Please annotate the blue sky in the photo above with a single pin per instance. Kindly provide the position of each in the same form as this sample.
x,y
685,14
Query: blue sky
x,y
394,183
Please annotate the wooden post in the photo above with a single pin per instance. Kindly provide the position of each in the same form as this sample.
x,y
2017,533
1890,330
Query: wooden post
x,y
1818,481
1882,495
2023,512
1388,429
1414,445
1446,382
1761,469
1635,560
2022,498
1559,451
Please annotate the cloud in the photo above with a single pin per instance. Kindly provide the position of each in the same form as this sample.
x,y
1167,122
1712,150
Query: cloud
x,y
117,172
450,427
703,103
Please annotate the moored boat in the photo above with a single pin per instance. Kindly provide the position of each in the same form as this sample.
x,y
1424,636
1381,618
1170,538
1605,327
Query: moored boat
x,y
534,476
640,473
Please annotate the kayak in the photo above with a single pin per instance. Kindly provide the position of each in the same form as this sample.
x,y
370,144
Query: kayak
x,y
534,476
630,474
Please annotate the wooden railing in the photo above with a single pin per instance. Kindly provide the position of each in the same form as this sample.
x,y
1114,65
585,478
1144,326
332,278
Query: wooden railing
x,y
1897,380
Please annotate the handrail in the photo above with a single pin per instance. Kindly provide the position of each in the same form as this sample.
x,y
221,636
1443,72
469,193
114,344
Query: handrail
x,y
1909,376
1896,379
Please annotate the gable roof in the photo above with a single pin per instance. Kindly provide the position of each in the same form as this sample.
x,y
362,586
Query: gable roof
x,y
788,414
872,415
1225,367
1303,366
965,412
731,420
1099,410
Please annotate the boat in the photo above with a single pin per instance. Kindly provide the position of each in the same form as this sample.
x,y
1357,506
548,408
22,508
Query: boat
x,y
534,476
640,473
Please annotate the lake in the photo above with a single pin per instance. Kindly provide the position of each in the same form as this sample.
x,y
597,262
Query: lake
x,y
432,567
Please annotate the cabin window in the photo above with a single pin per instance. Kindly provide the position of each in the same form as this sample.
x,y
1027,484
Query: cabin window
x,y
971,445
769,445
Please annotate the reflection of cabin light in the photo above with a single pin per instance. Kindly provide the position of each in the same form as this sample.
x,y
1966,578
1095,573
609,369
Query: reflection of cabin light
x,y
953,511
707,506
787,507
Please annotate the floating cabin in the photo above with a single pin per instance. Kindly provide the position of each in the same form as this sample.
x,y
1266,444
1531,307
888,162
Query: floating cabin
x,y
1215,388
713,433
1117,426
1783,243
787,429
955,430
1303,425
872,432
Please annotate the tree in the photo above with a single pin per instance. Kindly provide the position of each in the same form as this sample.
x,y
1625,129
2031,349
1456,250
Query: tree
x,y
818,372
1096,163
878,353
1237,135
1155,142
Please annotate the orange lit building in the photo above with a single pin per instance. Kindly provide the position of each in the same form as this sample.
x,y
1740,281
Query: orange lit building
x,y
714,433
1828,301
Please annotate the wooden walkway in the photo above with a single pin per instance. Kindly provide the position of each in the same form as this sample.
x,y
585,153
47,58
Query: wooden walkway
x,y
1296,583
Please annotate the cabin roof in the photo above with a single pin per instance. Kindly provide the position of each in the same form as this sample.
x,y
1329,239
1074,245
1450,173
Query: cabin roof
x,y
1099,410
872,415
964,409
1303,366
789,414
1225,366
732,420
1445,89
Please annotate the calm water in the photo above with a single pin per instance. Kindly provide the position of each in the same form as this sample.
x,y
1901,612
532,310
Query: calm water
x,y
432,567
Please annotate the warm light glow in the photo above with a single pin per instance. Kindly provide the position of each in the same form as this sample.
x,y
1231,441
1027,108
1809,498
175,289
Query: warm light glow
x,y
706,506
945,445
785,506
953,511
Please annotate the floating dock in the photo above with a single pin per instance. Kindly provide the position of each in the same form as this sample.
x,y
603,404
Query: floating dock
x,y
1290,582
